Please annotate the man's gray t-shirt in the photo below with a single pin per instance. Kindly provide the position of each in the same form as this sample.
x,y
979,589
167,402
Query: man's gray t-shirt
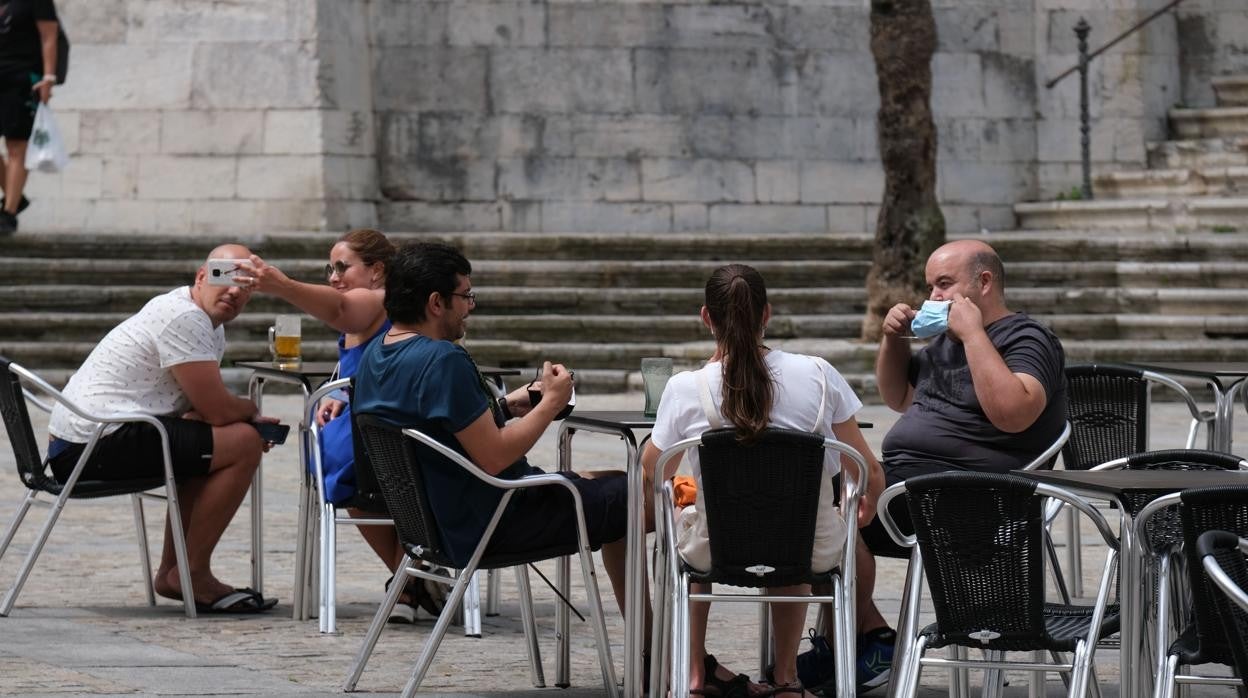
x,y
946,425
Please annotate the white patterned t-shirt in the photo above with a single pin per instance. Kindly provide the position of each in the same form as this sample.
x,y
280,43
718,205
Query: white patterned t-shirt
x,y
128,372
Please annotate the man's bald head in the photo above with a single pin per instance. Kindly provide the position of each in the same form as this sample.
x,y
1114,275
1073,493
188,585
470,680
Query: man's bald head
x,y
230,250
977,257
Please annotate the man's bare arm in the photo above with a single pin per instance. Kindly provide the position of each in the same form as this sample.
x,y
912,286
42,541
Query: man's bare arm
x,y
493,448
892,363
210,399
1011,401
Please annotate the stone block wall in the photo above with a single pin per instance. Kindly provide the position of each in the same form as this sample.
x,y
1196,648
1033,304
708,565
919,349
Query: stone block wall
x,y
584,115
212,117
743,116
1213,41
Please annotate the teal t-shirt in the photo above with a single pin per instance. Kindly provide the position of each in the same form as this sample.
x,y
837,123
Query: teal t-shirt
x,y
434,386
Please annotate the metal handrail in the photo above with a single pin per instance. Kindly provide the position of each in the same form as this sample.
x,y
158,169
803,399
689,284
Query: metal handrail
x,y
1082,29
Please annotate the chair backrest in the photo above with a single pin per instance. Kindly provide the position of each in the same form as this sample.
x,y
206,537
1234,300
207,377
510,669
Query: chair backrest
x,y
981,537
367,489
1224,550
396,463
762,500
1107,407
1164,528
1208,509
21,433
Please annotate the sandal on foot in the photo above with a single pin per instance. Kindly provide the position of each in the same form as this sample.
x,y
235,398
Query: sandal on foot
x,y
713,686
795,687
245,600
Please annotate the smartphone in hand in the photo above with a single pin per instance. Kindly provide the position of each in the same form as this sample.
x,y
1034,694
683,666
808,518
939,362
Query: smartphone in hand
x,y
271,432
221,272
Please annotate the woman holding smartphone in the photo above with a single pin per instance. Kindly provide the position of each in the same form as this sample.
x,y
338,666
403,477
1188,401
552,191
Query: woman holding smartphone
x,y
351,303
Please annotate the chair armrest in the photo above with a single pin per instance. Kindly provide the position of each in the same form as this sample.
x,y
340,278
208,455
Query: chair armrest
x,y
886,517
1086,508
1052,451
519,483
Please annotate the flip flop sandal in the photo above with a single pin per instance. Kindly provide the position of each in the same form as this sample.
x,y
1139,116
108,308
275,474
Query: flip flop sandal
x,y
428,594
238,601
795,687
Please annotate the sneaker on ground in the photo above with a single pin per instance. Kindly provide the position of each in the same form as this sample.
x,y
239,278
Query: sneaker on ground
x,y
402,613
816,667
875,658
8,222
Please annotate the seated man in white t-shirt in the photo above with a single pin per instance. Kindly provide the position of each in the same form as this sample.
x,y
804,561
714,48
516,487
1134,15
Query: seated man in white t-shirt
x,y
165,361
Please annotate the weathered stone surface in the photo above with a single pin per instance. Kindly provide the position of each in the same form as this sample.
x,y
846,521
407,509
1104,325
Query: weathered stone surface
x,y
126,131
405,23
280,177
182,177
276,74
94,21
570,179
187,22
969,28
217,132
606,25
818,27
128,76
824,181
421,78
777,181
630,136
507,23
419,216
606,217
723,81
561,80
837,84
351,177
768,218
697,180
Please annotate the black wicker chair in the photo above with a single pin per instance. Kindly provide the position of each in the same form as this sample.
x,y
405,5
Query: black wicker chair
x,y
980,541
32,468
1222,554
761,502
1201,639
1108,410
399,457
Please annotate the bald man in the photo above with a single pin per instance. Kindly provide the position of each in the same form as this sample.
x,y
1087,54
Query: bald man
x,y
987,393
165,361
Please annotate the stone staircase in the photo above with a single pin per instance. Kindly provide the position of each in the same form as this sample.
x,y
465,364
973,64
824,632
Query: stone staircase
x,y
601,302
1198,181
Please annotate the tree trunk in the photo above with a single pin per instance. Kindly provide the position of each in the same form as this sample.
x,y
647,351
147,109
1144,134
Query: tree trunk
x,y
910,225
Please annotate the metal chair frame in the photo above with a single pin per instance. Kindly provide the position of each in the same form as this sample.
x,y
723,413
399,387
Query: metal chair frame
x,y
1166,665
1234,602
670,633
909,659
466,575
325,517
17,417
1074,558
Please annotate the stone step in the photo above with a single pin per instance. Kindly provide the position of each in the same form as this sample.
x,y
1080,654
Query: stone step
x,y
1173,183
1231,90
314,247
1216,122
588,275
1197,153
621,329
1147,327
1223,215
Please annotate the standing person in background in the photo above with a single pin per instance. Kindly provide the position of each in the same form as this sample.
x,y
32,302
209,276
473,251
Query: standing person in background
x,y
353,304
28,30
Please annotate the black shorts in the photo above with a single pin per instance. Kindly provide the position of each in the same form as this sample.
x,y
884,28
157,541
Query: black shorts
x,y
538,518
133,452
17,105
873,534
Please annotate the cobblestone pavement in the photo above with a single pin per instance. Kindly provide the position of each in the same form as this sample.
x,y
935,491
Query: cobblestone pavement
x,y
82,626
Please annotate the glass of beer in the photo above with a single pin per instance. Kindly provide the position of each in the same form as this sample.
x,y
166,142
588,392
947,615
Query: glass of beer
x,y
285,340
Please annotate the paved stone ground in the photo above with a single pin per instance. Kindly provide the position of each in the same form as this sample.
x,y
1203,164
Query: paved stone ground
x,y
82,626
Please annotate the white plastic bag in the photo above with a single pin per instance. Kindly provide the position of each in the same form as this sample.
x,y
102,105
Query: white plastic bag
x,y
45,151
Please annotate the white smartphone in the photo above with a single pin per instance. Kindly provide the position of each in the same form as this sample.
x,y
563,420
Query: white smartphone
x,y
221,272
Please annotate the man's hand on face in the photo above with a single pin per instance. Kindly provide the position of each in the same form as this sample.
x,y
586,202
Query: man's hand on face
x,y
965,318
897,321
556,384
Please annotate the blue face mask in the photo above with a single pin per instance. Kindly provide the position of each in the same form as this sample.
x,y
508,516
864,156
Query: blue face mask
x,y
931,320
